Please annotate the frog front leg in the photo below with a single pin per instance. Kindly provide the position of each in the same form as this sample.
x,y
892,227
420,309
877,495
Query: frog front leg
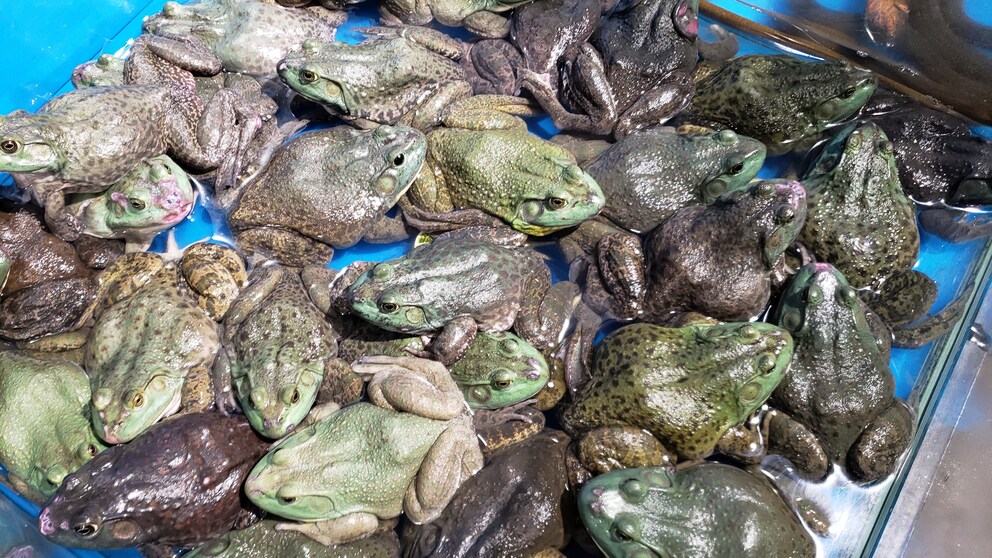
x,y
610,448
216,274
656,106
544,316
198,393
588,89
792,440
876,451
62,223
454,457
347,528
486,24
224,398
288,246
411,385
450,345
327,286
489,112
387,229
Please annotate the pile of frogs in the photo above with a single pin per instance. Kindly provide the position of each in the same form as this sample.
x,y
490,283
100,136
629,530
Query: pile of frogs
x,y
248,400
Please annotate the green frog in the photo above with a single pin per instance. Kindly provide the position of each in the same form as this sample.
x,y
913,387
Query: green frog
x,y
327,189
860,221
406,76
149,355
778,99
331,476
839,386
465,281
248,36
708,509
264,540
155,196
515,506
280,351
45,418
684,387
480,17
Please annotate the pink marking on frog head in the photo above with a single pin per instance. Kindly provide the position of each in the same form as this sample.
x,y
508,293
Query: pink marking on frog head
x,y
119,199
171,198
685,19
45,524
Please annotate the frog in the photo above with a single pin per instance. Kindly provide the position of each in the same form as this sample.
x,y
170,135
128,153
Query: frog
x,y
405,76
155,196
490,171
178,484
45,287
747,230
45,418
646,179
938,157
330,477
683,387
706,509
481,18
838,357
860,221
280,351
149,355
543,36
634,72
782,101
248,36
515,506
327,189
465,281
262,540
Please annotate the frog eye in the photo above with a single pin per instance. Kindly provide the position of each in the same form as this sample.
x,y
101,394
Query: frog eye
x,y
295,397
884,146
792,320
737,169
624,531
92,450
726,136
382,271
388,307
10,146
509,346
749,334
812,295
503,379
398,160
784,214
86,530
634,489
848,294
138,400
848,93
556,203
137,204
307,77
766,362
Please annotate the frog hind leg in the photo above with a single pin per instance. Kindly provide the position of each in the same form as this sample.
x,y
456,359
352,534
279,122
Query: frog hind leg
x,y
387,229
621,267
224,398
502,428
347,528
547,309
956,226
794,441
454,457
589,89
903,298
428,222
290,247
876,452
60,221
491,66
657,106
450,345
413,385
610,448
327,287
340,385
216,274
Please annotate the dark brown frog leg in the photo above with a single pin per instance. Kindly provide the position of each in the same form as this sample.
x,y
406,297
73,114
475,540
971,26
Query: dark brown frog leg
x,y
450,345
621,267
747,442
955,226
501,428
186,52
932,327
883,441
428,222
487,24
657,106
327,286
341,385
902,298
793,441
544,316
289,247
622,447
156,551
64,225
387,229
590,88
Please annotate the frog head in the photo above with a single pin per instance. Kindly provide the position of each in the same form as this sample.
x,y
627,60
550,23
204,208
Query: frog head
x,y
499,370
772,213
26,144
121,414
104,71
398,153
277,395
205,20
737,160
75,446
860,161
282,482
389,298
551,192
614,508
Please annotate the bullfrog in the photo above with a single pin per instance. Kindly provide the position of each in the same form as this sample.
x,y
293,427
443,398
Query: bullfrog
x,y
938,157
45,419
514,506
248,36
481,18
177,484
860,221
280,350
682,386
327,189
708,509
155,196
747,231
839,386
777,99
488,170
406,76
465,281
650,174
149,355
634,72
45,288
263,540
331,476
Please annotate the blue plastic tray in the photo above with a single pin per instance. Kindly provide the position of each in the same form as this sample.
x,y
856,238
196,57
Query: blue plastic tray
x,y
51,37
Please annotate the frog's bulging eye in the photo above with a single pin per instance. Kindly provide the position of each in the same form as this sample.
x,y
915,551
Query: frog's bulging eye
x,y
92,450
388,307
749,333
623,531
10,146
399,160
295,398
634,489
792,320
737,169
812,295
785,214
885,146
848,93
287,500
848,294
137,204
138,401
503,380
85,529
557,203
307,77
766,363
